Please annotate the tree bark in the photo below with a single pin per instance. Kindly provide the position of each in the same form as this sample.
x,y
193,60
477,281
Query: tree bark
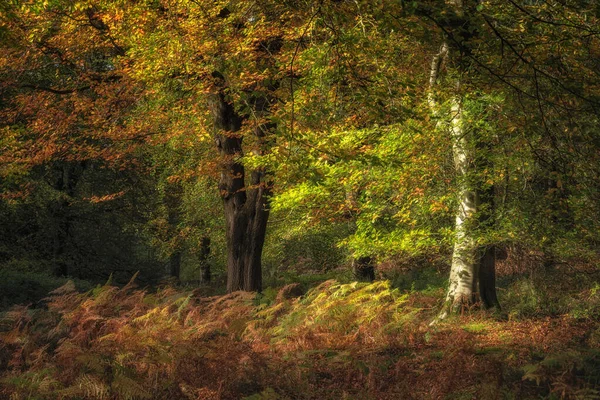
x,y
487,278
173,199
246,206
472,271
463,273
205,275
175,265
487,254
69,175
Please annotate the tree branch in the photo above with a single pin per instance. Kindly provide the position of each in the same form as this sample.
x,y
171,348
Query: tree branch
x,y
56,91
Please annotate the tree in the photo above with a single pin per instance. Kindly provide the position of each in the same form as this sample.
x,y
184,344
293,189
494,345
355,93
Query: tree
x,y
66,151
336,110
245,204
473,267
223,57
476,38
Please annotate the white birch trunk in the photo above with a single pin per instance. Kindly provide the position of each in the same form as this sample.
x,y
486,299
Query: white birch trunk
x,y
463,273
472,271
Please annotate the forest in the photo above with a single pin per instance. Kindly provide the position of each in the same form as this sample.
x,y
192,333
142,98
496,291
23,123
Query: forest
x,y
299,199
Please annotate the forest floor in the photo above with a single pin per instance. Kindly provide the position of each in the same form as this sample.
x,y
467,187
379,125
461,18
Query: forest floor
x,y
330,341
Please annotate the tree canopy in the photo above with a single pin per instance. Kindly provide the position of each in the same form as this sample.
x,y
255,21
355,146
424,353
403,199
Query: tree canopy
x,y
386,132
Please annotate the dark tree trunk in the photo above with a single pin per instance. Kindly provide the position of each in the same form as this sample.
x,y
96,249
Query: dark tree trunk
x,y
246,207
175,265
68,177
486,271
364,269
487,278
172,201
205,275
61,267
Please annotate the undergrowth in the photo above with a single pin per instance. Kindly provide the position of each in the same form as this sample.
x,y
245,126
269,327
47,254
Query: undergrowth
x,y
337,341
19,286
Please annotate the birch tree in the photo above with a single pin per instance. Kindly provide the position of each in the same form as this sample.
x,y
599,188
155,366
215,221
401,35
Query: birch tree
x,y
472,272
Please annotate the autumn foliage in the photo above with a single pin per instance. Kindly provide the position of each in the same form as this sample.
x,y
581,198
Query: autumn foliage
x,y
280,147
